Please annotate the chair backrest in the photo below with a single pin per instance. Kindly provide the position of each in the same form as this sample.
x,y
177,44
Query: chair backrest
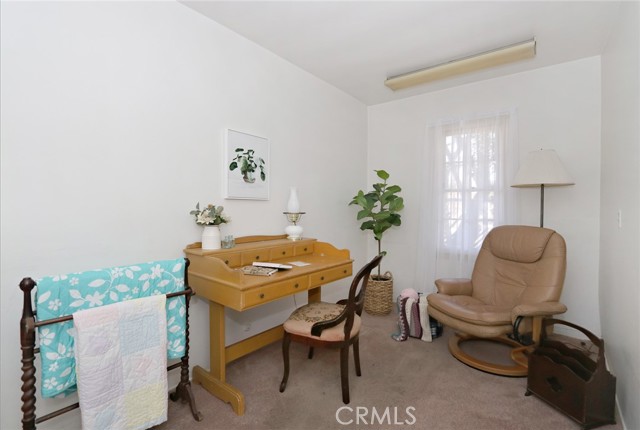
x,y
519,264
356,295
354,303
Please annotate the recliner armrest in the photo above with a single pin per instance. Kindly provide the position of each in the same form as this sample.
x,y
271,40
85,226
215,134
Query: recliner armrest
x,y
543,309
454,286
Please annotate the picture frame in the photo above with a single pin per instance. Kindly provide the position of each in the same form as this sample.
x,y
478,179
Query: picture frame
x,y
246,166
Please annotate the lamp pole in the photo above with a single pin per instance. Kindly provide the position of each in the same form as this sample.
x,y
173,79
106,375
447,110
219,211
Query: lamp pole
x,y
541,205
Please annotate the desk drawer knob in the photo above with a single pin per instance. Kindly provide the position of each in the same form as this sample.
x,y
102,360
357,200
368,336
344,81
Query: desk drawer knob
x,y
262,295
284,252
322,278
344,271
296,286
226,262
257,257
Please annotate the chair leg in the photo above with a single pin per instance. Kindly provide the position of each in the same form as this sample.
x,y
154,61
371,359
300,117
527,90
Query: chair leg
x,y
344,373
310,356
356,356
286,341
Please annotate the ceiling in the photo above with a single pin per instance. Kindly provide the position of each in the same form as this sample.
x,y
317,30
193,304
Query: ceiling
x,y
356,45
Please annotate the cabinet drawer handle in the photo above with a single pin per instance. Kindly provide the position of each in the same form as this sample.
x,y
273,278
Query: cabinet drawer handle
x,y
322,278
257,257
296,286
226,262
345,271
305,249
284,252
262,295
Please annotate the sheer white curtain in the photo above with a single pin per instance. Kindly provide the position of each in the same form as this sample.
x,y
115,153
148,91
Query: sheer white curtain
x,y
465,191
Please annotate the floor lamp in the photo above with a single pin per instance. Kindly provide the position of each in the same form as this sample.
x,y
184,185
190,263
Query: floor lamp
x,y
542,168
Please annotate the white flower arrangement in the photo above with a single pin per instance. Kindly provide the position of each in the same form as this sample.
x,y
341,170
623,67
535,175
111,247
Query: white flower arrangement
x,y
211,215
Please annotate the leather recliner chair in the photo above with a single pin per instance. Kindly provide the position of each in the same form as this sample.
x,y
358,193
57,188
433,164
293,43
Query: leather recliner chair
x,y
516,281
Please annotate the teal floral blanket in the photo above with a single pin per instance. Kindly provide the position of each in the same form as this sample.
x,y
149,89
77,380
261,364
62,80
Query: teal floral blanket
x,y
62,295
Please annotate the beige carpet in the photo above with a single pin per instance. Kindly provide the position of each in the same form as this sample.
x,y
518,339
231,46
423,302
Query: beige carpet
x,y
411,384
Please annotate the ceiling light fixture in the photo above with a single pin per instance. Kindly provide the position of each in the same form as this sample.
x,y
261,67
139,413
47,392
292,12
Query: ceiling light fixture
x,y
485,60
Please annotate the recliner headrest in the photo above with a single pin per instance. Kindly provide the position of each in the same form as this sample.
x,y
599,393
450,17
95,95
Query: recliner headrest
x,y
524,244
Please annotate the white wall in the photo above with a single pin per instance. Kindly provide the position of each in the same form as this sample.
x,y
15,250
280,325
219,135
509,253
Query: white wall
x,y
620,245
559,108
112,122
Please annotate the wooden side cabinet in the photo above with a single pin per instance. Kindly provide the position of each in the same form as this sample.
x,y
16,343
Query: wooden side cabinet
x,y
573,379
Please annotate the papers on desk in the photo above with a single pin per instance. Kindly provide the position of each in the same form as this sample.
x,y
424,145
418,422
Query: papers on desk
x,y
258,271
273,265
299,263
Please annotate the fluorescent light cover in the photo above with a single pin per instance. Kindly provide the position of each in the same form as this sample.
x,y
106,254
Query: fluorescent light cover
x,y
485,60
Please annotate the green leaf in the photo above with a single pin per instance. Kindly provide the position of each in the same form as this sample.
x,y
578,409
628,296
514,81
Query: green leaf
x,y
233,166
393,189
362,201
394,220
382,174
367,225
363,214
396,204
381,216
239,150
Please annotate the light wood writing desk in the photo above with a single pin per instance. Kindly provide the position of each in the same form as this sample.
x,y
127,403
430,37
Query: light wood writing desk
x,y
213,275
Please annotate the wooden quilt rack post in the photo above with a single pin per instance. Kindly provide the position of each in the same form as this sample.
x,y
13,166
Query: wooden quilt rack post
x,y
28,326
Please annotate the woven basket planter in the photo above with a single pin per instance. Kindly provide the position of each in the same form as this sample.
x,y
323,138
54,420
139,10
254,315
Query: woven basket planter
x,y
378,299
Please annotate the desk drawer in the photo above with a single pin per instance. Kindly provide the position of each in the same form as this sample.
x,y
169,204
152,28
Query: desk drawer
x,y
275,291
249,257
231,260
280,252
330,275
303,248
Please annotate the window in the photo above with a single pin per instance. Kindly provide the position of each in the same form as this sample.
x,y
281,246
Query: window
x,y
466,191
470,190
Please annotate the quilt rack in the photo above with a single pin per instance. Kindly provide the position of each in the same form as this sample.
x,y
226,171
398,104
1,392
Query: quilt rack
x,y
28,326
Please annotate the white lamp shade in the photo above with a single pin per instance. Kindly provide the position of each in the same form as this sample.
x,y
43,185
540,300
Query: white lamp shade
x,y
542,167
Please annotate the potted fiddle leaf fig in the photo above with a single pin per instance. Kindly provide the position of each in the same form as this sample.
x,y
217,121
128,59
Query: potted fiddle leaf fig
x,y
379,212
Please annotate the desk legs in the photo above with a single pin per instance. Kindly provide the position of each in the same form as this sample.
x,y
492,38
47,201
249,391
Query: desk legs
x,y
314,295
214,380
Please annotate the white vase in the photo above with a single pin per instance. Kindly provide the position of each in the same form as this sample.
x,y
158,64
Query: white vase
x,y
211,237
293,205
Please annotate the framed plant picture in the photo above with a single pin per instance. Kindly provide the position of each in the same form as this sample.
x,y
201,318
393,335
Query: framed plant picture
x,y
246,166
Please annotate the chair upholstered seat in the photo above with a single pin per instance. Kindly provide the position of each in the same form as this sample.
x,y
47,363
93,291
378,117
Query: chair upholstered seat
x,y
471,310
302,320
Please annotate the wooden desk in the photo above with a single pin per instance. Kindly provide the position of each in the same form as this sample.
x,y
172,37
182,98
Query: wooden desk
x,y
214,276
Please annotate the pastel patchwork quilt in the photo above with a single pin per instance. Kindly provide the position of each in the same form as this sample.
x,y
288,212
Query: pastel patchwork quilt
x,y
121,364
63,295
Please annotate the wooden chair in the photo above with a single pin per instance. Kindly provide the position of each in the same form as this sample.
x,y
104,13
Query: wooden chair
x,y
330,325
